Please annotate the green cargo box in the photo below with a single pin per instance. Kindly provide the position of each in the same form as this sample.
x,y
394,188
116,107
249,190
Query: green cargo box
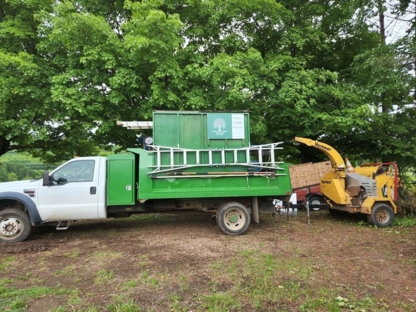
x,y
201,130
200,155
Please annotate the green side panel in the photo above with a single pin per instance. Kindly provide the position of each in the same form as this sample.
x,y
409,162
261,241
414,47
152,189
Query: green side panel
x,y
208,187
121,179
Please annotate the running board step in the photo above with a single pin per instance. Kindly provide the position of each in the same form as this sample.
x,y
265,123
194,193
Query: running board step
x,y
63,225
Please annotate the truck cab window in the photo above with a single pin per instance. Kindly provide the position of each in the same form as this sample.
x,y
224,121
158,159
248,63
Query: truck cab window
x,y
76,171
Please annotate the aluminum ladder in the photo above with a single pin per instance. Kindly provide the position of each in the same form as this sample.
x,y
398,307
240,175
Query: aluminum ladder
x,y
178,158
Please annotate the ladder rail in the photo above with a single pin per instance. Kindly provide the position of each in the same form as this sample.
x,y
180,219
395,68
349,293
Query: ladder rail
x,y
233,153
179,167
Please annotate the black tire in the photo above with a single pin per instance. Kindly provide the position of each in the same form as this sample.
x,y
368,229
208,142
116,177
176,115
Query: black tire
x,y
382,215
370,219
14,226
315,200
233,218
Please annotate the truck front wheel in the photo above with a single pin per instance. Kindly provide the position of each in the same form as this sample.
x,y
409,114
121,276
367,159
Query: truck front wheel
x,y
233,218
14,226
382,215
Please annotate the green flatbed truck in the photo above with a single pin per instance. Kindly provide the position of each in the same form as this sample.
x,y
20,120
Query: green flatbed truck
x,y
198,162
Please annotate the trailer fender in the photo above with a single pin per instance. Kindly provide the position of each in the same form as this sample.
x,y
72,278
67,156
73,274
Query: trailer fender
x,y
367,205
27,202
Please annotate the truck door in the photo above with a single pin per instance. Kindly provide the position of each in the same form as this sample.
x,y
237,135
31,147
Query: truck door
x,y
73,193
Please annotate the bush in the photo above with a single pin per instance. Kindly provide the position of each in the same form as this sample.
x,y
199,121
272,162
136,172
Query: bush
x,y
407,201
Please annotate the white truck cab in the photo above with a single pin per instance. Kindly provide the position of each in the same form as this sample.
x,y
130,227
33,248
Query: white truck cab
x,y
76,190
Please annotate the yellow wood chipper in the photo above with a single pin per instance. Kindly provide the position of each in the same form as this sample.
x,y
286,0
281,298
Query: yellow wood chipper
x,y
369,189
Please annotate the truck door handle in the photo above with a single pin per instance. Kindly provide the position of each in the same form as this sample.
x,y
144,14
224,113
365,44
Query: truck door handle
x,y
93,190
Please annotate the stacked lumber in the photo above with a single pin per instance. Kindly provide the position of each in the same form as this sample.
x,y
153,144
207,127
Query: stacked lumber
x,y
308,174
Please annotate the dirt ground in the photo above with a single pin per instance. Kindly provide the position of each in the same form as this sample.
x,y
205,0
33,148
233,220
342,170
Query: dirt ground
x,y
182,262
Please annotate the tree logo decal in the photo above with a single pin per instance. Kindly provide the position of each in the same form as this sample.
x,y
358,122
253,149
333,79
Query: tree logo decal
x,y
219,126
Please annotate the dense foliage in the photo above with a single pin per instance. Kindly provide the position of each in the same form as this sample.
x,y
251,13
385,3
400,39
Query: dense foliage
x,y
16,166
318,69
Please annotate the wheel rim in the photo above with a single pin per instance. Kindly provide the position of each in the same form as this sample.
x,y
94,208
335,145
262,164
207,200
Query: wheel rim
x,y
234,219
382,216
315,202
10,227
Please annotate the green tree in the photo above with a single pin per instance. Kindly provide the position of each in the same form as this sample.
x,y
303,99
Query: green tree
x,y
302,68
29,114
24,76
3,173
107,68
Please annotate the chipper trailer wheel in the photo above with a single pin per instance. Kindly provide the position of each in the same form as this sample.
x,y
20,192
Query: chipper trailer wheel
x,y
14,226
382,215
233,218
315,200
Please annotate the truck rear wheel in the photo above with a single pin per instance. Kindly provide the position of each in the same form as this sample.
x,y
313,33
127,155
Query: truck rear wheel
x,y
382,215
233,218
14,226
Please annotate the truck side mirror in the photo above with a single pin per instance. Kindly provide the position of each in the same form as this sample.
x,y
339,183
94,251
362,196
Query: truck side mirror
x,y
46,179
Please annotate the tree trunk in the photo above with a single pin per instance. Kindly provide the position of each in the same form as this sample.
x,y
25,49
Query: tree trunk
x,y
4,145
381,21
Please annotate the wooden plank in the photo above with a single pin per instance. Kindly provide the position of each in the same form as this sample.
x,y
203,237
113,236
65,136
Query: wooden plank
x,y
308,174
323,168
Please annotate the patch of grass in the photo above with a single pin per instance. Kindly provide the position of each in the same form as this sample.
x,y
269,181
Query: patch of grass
x,y
411,261
406,306
75,301
153,282
106,255
362,223
121,304
103,277
6,281
68,270
405,221
143,261
145,274
315,304
72,254
25,277
59,309
183,278
253,280
326,300
6,262
259,278
13,299
219,302
176,304
132,283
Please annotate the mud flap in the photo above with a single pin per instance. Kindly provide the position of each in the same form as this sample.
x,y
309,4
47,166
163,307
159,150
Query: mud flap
x,y
255,210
